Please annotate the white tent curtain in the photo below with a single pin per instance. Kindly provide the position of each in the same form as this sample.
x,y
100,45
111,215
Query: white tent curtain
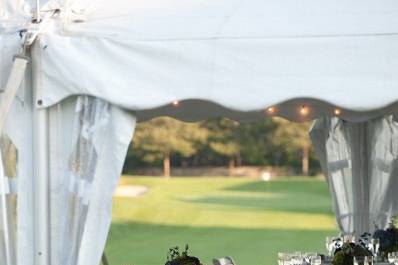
x,y
88,140
8,200
360,163
16,182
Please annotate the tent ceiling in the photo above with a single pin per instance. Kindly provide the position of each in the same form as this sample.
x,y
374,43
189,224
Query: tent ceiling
x,y
196,19
230,58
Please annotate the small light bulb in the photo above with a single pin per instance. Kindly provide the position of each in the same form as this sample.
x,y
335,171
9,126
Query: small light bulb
x,y
176,103
337,112
271,110
304,110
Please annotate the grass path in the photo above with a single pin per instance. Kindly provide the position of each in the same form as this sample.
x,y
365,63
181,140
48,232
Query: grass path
x,y
247,219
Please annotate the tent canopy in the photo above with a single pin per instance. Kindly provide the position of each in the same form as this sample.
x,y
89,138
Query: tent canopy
x,y
191,59
226,58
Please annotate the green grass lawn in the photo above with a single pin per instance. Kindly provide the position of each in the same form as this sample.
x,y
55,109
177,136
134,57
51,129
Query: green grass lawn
x,y
246,219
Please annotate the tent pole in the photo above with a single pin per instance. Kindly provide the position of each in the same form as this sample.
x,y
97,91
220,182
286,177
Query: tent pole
x,y
38,18
41,173
41,192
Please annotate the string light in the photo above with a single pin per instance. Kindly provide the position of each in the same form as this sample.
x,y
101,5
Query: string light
x,y
271,110
304,110
176,103
337,112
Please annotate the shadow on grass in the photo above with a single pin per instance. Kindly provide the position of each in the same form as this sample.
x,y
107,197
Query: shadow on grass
x,y
292,196
314,187
146,244
304,204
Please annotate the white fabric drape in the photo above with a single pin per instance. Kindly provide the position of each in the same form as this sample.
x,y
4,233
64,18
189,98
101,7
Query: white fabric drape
x,y
16,182
360,163
8,200
88,142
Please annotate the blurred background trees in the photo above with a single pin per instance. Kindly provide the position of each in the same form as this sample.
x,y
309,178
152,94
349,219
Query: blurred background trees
x,y
159,139
166,142
294,138
224,140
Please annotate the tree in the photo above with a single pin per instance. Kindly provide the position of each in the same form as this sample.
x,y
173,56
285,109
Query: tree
x,y
257,143
294,137
160,138
224,139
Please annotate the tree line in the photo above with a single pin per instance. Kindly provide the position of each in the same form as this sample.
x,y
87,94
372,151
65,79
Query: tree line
x,y
274,142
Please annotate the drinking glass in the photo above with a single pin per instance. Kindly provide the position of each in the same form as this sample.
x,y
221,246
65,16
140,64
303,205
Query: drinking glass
x,y
369,246
329,245
368,260
316,260
392,257
375,246
283,258
395,257
297,260
309,255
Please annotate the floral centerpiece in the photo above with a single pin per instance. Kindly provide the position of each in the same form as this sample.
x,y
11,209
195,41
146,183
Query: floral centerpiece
x,y
346,251
175,258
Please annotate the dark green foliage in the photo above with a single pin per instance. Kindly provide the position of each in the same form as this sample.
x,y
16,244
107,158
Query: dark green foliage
x,y
345,255
388,238
221,142
175,258
340,258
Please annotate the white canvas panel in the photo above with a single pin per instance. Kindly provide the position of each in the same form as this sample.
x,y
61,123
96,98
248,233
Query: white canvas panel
x,y
360,164
88,143
17,181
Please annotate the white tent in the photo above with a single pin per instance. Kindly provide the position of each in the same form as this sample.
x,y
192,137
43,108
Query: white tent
x,y
98,66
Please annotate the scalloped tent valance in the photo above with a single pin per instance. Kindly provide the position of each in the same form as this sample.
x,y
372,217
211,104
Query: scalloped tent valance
x,y
228,58
191,59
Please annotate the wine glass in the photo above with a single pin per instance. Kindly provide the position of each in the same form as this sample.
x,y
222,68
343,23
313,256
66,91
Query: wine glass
x,y
396,257
329,245
297,260
283,258
369,246
395,254
392,257
309,255
368,260
375,246
316,260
